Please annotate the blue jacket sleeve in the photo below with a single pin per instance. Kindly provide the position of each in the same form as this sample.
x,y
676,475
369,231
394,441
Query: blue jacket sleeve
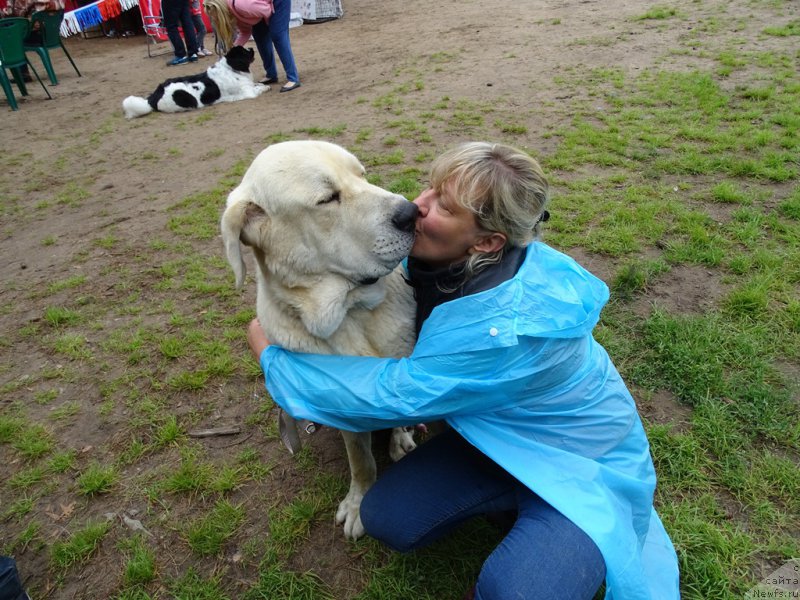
x,y
366,393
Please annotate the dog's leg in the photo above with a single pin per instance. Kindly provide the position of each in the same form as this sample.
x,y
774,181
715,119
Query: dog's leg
x,y
401,442
362,476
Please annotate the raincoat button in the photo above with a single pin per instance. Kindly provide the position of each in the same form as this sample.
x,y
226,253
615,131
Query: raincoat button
x,y
493,331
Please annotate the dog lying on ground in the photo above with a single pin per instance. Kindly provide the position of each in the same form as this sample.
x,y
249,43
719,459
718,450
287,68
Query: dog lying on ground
x,y
227,80
327,245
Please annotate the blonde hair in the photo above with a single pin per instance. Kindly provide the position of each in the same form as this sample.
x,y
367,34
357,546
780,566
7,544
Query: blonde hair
x,y
505,188
222,21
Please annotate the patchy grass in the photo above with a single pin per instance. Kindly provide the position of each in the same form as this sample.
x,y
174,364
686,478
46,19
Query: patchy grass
x,y
80,546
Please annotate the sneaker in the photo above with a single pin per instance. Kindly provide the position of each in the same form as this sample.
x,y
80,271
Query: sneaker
x,y
192,58
179,60
205,52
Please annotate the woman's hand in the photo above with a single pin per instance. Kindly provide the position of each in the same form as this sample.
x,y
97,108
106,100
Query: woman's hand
x,y
256,338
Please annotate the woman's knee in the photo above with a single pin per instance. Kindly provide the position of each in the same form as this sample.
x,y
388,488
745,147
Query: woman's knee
x,y
577,581
382,522
562,561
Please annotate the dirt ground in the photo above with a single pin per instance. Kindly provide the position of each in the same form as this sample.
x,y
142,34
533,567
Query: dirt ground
x,y
492,51
124,176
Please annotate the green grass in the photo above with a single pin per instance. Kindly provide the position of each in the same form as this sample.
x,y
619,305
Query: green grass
x,y
658,12
140,564
206,536
275,581
192,586
66,284
72,345
61,462
33,442
57,316
98,479
80,546
18,508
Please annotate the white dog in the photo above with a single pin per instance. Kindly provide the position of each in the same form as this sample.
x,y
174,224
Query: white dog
x,y
327,246
227,80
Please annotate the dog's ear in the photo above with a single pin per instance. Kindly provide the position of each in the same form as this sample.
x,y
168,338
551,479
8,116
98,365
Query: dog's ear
x,y
243,221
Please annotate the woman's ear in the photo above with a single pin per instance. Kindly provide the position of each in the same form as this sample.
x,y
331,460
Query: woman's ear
x,y
492,242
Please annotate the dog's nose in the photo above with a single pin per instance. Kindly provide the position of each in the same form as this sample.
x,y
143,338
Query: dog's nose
x,y
405,217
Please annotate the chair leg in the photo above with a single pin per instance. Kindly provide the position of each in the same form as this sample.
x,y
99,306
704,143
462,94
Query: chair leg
x,y
48,64
46,91
12,102
19,80
72,62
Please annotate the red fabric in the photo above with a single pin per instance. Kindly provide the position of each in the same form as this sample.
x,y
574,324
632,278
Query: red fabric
x,y
109,9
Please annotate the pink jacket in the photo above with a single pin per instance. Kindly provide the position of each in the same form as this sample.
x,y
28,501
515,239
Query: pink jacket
x,y
248,13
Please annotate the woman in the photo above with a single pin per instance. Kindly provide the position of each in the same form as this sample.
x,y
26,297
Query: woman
x,y
268,22
540,421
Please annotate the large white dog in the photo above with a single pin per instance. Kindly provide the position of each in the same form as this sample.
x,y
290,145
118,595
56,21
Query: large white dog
x,y
327,245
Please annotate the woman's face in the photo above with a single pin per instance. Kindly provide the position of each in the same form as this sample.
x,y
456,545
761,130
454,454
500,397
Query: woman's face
x,y
446,232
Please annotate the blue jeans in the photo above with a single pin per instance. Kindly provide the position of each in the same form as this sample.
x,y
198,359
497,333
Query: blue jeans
x,y
276,32
177,14
446,481
200,30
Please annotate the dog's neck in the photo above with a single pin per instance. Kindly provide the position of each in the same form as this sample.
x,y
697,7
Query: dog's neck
x,y
319,301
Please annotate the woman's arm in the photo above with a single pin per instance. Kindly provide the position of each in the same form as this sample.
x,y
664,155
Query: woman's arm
x,y
359,393
256,338
245,31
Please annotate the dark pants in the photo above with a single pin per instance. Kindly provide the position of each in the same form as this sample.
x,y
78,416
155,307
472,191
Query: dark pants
x,y
200,30
446,481
177,14
10,585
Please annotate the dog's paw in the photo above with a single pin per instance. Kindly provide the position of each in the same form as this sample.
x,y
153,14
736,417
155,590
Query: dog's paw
x,y
401,442
348,515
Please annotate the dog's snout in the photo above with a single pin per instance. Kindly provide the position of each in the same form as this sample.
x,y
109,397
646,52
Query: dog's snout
x,y
405,217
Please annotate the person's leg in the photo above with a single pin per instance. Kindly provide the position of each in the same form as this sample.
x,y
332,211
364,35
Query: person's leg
x,y
199,30
171,9
188,29
432,490
544,556
279,34
264,45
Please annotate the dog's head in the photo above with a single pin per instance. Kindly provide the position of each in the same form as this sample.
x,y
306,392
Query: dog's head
x,y
240,58
308,212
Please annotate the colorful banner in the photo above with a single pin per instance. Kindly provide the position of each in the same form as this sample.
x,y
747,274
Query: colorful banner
x,y
91,15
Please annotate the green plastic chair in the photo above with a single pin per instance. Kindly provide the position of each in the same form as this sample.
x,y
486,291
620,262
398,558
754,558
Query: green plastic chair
x,y
13,32
49,27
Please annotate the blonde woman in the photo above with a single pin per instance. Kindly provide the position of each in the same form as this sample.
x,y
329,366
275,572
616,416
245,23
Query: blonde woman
x,y
542,427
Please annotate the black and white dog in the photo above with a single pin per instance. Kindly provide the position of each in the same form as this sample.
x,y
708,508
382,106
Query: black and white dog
x,y
227,80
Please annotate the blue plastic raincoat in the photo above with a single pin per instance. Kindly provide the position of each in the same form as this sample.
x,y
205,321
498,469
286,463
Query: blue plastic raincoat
x,y
516,371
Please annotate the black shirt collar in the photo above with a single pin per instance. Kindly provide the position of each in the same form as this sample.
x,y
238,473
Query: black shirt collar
x,y
429,282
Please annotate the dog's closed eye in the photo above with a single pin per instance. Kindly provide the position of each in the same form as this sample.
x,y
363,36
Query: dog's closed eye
x,y
334,197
